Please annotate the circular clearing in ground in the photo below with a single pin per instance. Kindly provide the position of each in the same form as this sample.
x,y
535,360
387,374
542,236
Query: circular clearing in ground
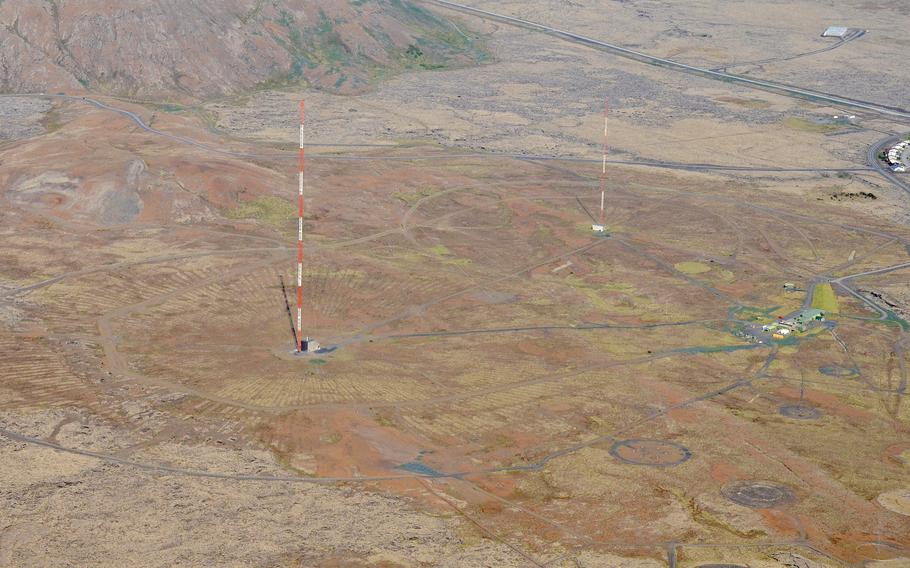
x,y
837,371
800,411
658,453
897,501
758,494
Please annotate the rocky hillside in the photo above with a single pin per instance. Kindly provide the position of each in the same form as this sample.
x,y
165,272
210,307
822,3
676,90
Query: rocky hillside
x,y
191,50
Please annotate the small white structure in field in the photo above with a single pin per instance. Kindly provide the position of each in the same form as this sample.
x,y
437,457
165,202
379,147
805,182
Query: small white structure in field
x,y
598,228
836,31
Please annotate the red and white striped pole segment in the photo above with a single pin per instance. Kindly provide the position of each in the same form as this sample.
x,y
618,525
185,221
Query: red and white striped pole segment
x,y
603,169
300,238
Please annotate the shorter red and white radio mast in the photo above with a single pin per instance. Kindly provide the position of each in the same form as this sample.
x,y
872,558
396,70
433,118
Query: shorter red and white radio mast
x,y
600,226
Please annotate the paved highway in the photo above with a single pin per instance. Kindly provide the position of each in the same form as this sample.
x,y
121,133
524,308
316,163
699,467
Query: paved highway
x,y
779,88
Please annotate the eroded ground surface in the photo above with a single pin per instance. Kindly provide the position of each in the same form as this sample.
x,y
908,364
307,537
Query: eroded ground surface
x,y
500,387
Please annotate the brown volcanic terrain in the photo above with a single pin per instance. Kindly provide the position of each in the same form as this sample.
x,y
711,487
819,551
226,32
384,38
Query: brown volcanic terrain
x,y
502,388
516,390
178,49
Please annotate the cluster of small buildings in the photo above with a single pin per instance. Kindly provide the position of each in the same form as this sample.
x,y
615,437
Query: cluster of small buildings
x,y
894,156
802,321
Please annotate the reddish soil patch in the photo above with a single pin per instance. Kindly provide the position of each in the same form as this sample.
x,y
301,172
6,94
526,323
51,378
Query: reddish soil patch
x,y
723,472
829,402
343,442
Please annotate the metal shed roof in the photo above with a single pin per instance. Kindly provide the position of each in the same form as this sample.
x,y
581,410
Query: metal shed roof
x,y
835,31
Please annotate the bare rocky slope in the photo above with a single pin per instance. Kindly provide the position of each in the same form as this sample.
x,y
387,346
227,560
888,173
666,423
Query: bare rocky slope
x,y
210,48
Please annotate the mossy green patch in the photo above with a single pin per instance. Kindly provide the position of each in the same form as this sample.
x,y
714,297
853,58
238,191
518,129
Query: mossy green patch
x,y
411,198
825,299
757,104
52,121
691,267
272,211
440,250
725,276
437,44
172,108
444,252
332,438
808,126
751,313
590,292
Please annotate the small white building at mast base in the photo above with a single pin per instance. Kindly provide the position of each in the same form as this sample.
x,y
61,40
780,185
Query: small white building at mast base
x,y
309,346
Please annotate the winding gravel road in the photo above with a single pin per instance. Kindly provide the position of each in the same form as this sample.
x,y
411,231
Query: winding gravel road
x,y
695,166
851,35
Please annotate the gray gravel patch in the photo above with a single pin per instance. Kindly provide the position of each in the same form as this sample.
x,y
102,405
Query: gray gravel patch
x,y
20,117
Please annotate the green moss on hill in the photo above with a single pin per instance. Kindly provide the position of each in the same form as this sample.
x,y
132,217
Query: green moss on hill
x,y
270,210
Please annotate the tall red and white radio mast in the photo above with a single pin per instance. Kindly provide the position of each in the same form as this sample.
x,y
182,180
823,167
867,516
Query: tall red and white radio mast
x,y
302,340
